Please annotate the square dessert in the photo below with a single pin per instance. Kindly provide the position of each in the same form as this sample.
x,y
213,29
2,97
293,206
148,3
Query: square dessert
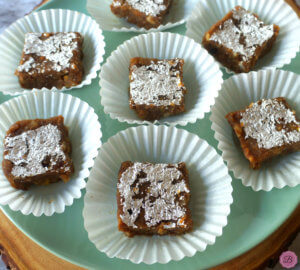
x,y
265,129
153,199
37,152
156,87
240,39
143,13
51,60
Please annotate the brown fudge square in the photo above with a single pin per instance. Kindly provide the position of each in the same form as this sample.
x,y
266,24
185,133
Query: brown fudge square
x,y
51,60
37,152
265,129
240,39
143,13
153,199
156,87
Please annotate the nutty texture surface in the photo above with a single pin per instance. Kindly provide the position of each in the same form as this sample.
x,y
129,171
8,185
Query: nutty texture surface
x,y
156,87
154,212
51,60
280,137
239,40
144,13
30,158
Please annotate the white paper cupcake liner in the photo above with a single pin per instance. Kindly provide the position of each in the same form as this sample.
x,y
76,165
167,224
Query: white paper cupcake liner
x,y
208,12
210,193
201,75
177,15
84,133
236,94
52,20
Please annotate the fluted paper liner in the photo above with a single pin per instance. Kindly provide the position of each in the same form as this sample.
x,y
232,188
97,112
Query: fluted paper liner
x,y
178,13
201,75
207,12
84,133
237,93
52,20
210,193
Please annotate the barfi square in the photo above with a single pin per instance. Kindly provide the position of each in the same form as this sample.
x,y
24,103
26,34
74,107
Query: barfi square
x,y
153,199
143,13
240,39
51,60
37,152
156,87
266,129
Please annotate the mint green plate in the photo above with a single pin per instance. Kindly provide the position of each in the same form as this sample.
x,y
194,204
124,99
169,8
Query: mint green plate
x,y
254,215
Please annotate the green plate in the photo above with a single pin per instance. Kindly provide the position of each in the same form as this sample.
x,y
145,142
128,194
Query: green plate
x,y
254,215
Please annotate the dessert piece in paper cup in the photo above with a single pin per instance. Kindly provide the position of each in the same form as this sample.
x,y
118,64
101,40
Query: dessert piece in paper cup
x,y
52,20
85,136
210,186
237,93
201,76
207,12
177,15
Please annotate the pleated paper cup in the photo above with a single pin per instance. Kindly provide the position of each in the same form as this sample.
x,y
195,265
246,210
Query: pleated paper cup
x,y
52,20
210,187
236,94
178,13
208,12
84,133
201,75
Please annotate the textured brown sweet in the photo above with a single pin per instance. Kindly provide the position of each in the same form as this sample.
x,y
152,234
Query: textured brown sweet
x,y
122,9
61,170
255,154
231,59
42,72
153,111
182,225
